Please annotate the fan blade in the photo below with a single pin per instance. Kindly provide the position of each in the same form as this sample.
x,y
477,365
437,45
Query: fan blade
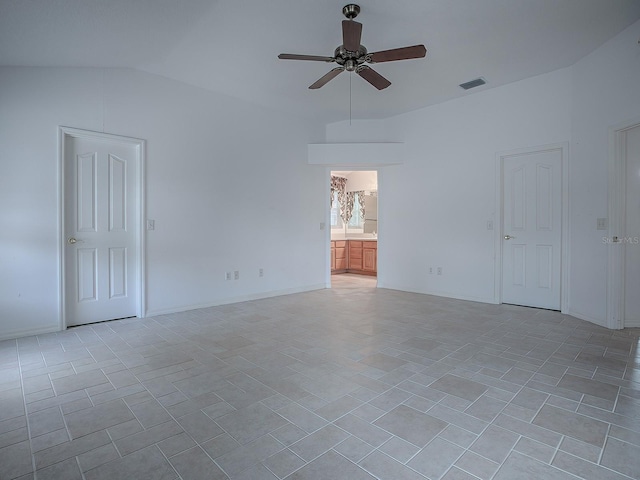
x,y
404,53
315,58
373,77
326,78
351,33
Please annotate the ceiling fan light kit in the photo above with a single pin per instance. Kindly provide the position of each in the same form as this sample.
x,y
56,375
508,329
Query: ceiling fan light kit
x,y
352,56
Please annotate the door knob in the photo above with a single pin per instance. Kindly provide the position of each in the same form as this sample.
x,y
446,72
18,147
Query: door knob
x,y
508,237
72,240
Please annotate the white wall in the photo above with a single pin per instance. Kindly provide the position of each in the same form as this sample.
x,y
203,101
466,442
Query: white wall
x,y
434,208
362,180
605,95
446,188
206,151
360,131
228,186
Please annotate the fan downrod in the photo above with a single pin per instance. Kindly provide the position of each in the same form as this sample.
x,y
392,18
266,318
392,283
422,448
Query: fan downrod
x,y
351,11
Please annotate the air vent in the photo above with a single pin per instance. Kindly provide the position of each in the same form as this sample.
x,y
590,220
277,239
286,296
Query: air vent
x,y
473,83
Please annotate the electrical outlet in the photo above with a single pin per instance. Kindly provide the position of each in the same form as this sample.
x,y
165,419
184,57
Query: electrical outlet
x,y
227,276
439,270
236,275
151,224
322,225
261,272
489,224
430,270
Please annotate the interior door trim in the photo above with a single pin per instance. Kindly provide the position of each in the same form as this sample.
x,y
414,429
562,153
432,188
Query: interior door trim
x,y
327,216
617,220
65,133
499,202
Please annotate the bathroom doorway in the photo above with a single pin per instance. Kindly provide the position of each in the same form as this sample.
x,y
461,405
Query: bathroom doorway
x,y
354,228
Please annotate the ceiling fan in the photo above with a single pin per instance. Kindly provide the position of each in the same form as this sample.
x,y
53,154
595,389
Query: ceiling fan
x,y
352,56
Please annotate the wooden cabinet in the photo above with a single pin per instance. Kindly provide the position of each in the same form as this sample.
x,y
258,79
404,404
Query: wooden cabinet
x,y
370,257
354,256
338,255
341,254
333,255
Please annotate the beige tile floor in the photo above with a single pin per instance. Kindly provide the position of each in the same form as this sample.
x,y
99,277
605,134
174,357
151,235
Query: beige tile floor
x,y
349,383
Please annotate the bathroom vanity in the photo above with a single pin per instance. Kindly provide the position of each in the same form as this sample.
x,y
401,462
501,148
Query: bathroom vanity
x,y
354,256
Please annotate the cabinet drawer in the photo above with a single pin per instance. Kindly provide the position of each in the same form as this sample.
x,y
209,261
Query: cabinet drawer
x,y
355,252
373,245
355,244
340,243
341,252
341,264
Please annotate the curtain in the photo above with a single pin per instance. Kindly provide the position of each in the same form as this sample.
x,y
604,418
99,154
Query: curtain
x,y
347,199
361,200
347,212
339,184
351,203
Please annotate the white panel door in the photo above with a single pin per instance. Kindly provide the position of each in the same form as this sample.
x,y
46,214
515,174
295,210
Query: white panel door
x,y
532,234
631,240
100,218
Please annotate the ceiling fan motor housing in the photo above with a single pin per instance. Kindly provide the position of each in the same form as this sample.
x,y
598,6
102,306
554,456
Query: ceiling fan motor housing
x,y
350,60
351,11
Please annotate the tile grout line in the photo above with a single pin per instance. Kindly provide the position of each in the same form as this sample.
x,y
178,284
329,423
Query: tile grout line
x,y
606,440
26,414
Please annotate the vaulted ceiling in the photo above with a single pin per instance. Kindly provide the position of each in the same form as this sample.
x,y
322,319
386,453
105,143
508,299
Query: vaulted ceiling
x,y
231,46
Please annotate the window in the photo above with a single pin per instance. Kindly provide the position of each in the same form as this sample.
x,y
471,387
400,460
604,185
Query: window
x,y
336,221
356,218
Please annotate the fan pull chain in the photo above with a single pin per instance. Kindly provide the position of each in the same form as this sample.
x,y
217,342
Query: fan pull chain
x,y
350,75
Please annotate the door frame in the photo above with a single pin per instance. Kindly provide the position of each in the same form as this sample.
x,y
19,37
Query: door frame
x,y
617,219
327,216
564,220
64,134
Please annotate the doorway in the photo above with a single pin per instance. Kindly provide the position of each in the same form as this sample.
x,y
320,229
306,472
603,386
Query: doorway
x,y
623,308
531,245
101,212
353,227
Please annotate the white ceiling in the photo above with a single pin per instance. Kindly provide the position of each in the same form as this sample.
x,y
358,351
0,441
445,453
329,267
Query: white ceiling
x,y
231,46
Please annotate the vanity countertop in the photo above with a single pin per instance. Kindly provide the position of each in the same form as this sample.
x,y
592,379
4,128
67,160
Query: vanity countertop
x,y
360,239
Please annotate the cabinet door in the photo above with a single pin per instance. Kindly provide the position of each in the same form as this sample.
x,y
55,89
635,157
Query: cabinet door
x,y
333,258
369,260
355,255
341,257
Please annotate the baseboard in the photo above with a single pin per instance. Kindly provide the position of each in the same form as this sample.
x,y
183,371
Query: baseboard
x,y
28,332
602,322
579,315
238,299
454,296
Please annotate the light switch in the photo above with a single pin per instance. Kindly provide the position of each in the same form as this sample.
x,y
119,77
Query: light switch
x,y
151,224
601,224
